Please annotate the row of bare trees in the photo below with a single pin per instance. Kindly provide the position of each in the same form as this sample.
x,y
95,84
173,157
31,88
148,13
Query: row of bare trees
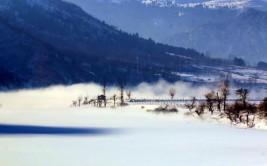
x,y
238,111
102,99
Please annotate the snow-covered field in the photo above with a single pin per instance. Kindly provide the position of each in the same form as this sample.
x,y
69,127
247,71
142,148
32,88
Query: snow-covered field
x,y
37,128
247,75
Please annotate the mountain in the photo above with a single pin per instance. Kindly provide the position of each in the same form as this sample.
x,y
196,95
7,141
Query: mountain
x,y
190,24
153,21
47,42
244,36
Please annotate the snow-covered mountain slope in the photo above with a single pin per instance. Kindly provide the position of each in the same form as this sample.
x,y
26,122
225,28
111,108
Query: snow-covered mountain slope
x,y
193,3
244,36
188,24
237,4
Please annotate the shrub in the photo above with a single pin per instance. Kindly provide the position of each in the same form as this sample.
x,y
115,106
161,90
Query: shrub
x,y
166,109
263,108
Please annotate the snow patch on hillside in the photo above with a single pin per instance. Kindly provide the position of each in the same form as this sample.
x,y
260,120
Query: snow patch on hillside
x,y
239,4
161,3
236,4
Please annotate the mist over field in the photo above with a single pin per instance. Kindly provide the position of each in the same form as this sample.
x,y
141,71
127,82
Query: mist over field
x,y
62,96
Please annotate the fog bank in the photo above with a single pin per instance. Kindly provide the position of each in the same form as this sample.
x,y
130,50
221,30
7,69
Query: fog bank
x,y
62,96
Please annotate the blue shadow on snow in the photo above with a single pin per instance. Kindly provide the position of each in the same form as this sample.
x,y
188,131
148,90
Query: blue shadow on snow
x,y
7,129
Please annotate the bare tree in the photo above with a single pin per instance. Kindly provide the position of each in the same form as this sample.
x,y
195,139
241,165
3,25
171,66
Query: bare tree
x,y
210,100
114,97
219,101
172,93
263,108
85,102
225,92
190,106
233,112
122,84
98,102
129,94
80,100
74,103
251,109
104,88
95,100
200,108
243,95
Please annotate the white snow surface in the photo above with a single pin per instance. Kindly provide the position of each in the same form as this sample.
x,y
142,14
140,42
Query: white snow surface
x,y
138,138
239,4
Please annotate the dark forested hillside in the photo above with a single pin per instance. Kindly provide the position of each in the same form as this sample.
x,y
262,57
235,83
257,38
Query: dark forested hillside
x,y
47,42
